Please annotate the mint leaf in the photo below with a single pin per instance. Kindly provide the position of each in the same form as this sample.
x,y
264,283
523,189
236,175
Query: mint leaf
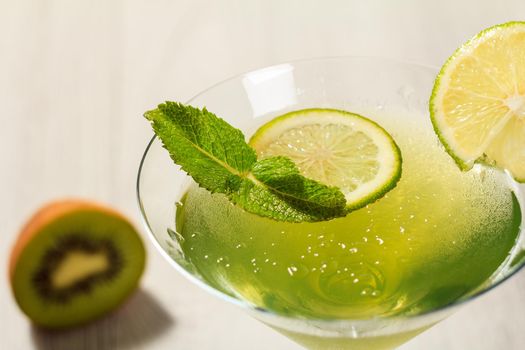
x,y
282,177
206,147
218,158
261,201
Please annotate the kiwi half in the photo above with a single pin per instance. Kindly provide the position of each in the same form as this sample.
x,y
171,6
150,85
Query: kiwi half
x,y
73,262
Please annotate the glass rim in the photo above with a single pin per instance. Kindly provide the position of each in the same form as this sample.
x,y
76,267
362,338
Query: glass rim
x,y
294,318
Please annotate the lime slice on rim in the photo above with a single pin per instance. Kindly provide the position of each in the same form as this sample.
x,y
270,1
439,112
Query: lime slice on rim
x,y
337,148
477,105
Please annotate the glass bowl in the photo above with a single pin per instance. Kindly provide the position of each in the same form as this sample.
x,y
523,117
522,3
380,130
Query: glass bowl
x,y
249,100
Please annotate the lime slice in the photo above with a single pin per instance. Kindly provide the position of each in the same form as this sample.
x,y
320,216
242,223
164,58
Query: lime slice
x,y
478,101
337,148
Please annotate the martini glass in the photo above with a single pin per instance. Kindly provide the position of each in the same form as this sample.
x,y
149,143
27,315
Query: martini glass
x,y
247,101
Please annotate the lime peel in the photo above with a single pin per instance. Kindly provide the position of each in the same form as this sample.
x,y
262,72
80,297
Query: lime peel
x,y
477,105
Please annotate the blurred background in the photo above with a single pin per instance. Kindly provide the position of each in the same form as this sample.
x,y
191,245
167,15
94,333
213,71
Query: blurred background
x,y
75,78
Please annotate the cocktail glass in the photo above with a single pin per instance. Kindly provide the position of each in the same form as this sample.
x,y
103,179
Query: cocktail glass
x,y
247,101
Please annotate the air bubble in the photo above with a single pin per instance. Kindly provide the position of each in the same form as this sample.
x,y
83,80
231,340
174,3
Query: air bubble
x,y
353,280
291,270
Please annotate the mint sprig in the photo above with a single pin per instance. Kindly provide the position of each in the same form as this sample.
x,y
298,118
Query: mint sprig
x,y
218,158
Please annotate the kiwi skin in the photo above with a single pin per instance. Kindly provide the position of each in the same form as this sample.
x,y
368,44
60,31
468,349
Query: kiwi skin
x,y
37,224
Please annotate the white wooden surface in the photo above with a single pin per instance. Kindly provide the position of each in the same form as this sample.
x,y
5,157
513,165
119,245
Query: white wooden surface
x,y
75,77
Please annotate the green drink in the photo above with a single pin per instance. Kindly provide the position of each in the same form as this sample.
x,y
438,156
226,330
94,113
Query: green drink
x,y
372,279
407,253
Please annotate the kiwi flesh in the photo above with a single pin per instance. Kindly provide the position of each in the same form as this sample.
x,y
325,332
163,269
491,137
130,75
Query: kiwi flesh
x,y
73,262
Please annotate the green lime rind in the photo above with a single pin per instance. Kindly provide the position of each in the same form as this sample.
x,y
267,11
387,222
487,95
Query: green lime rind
x,y
463,164
385,188
379,191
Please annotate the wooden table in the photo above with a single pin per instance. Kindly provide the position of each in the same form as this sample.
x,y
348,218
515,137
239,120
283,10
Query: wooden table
x,y
75,77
